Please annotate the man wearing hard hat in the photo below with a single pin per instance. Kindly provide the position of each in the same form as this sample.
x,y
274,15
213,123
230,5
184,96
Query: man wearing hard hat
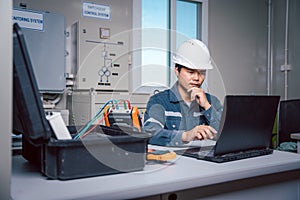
x,y
184,112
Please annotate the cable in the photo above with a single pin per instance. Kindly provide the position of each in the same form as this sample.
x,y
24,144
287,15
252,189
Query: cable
x,y
99,116
99,122
84,128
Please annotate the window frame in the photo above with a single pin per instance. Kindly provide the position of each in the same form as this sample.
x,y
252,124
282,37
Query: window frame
x,y
136,57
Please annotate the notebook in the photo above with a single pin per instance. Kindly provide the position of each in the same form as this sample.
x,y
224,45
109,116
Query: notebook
x,y
245,130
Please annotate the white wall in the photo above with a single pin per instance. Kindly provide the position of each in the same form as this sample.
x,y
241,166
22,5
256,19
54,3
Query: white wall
x,y
293,47
237,38
6,92
238,42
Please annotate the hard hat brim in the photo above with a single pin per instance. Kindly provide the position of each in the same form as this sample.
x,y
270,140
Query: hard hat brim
x,y
190,66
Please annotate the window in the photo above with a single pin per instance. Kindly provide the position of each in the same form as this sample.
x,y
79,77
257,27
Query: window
x,y
158,18
188,20
155,42
188,25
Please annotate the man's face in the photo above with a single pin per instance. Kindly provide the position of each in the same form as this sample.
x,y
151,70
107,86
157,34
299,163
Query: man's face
x,y
188,78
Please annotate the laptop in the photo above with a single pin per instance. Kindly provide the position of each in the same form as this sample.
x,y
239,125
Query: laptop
x,y
245,130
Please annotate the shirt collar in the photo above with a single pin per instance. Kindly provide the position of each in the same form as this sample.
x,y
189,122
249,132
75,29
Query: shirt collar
x,y
174,94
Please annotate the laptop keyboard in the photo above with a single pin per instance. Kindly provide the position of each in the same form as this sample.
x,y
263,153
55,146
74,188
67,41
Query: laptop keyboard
x,y
240,155
249,153
209,154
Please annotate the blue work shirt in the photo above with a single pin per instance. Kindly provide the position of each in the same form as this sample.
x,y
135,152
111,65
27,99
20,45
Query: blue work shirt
x,y
167,116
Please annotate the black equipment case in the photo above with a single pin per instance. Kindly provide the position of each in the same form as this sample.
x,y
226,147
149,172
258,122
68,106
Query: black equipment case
x,y
108,150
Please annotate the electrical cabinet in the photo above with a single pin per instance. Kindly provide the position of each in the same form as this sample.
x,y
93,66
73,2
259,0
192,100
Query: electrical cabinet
x,y
103,64
104,47
47,51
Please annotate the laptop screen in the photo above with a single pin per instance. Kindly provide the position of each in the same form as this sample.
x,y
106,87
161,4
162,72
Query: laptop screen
x,y
29,117
247,123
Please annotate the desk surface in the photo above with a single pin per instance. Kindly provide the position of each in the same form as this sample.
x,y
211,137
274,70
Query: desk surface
x,y
182,173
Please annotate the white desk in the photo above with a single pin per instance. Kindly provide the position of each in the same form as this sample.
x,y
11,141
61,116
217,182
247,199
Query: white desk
x,y
275,176
296,136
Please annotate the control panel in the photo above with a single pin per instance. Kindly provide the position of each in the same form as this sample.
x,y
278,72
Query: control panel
x,y
104,59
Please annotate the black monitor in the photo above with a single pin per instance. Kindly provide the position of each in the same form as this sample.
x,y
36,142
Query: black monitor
x,y
28,113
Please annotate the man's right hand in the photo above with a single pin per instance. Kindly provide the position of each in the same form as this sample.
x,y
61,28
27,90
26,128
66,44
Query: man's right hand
x,y
201,132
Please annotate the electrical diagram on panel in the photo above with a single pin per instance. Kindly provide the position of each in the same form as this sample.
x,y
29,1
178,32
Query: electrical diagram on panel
x,y
105,72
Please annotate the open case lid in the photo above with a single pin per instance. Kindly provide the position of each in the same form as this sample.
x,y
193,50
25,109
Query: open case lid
x,y
28,113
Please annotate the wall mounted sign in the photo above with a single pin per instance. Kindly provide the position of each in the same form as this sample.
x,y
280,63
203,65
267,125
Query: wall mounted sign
x,y
95,10
28,19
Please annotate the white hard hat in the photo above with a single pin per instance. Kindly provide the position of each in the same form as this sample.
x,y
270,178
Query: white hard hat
x,y
193,54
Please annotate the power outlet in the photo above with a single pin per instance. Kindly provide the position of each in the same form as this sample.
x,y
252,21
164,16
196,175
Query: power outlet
x,y
285,68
